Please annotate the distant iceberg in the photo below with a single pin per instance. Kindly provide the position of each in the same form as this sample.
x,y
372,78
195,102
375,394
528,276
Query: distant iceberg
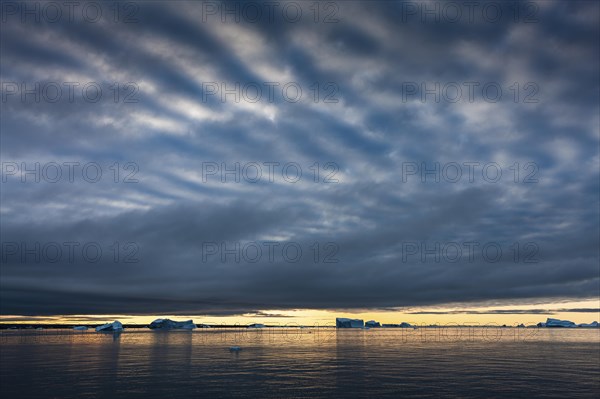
x,y
80,328
372,324
401,325
342,322
115,326
167,324
256,325
554,323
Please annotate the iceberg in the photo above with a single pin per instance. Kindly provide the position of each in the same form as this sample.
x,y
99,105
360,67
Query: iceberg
x,y
256,325
401,325
593,324
372,323
342,322
80,328
558,323
167,324
115,326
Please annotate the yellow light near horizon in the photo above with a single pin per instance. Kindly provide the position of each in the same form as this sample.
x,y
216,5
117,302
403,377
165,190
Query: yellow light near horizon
x,y
327,317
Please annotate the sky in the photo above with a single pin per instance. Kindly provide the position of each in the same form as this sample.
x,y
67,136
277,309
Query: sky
x,y
297,161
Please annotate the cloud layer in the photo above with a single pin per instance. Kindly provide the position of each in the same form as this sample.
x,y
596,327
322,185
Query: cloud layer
x,y
379,108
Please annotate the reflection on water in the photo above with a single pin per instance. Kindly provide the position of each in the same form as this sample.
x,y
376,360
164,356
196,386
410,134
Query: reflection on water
x,y
428,362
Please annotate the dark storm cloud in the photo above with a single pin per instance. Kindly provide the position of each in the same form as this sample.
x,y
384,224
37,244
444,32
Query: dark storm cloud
x,y
512,311
375,214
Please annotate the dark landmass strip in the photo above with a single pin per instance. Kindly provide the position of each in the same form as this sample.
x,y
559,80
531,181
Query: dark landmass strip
x,y
92,326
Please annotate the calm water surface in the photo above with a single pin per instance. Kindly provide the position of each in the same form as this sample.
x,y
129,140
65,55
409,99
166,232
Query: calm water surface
x,y
297,363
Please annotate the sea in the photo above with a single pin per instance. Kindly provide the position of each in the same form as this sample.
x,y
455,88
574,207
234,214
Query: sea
x,y
461,362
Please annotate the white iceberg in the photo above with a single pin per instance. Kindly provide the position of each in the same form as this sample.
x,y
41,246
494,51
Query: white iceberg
x,y
167,324
558,323
342,322
593,324
372,323
115,326
80,328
